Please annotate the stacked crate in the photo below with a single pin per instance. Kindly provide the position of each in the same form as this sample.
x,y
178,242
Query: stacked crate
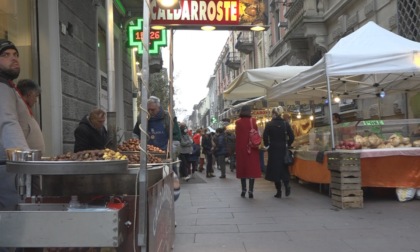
x,y
346,189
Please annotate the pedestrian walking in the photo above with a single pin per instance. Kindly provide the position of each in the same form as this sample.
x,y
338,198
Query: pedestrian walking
x,y
247,159
277,134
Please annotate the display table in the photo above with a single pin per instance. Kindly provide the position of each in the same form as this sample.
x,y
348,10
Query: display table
x,y
391,168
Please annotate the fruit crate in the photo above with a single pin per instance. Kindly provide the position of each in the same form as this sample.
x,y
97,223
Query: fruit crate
x,y
346,177
343,161
343,199
348,202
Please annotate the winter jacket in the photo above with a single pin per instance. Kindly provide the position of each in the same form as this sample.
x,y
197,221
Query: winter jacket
x,y
247,164
162,118
89,138
275,136
220,145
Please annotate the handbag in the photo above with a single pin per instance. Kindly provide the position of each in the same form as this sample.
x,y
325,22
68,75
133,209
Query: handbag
x,y
288,157
254,139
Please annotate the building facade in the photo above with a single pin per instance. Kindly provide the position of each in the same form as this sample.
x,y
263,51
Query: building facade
x,y
63,47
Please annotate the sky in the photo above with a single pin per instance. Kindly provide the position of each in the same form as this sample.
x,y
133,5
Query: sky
x,y
195,55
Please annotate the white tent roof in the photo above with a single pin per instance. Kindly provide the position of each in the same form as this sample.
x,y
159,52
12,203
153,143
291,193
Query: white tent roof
x,y
359,65
255,82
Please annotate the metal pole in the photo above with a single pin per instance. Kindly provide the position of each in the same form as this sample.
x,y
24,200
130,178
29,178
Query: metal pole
x,y
142,237
171,93
330,113
111,116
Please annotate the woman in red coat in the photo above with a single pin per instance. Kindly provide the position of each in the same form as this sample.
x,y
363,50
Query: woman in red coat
x,y
247,159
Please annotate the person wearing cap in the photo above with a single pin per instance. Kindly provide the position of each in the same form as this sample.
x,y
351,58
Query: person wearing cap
x,y
247,160
277,134
18,128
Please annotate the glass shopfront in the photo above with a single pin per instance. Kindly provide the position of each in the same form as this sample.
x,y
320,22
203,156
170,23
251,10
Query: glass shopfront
x,y
17,25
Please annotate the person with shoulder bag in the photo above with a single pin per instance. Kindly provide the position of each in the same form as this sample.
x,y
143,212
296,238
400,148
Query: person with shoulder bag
x,y
277,136
247,159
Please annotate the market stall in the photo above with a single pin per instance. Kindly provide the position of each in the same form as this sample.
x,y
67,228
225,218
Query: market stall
x,y
255,82
371,62
91,203
392,168
389,152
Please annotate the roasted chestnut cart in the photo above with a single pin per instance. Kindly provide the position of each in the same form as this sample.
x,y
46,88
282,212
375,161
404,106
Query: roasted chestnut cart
x,y
107,191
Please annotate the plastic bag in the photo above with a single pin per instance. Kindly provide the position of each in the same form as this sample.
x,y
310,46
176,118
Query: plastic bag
x,y
405,194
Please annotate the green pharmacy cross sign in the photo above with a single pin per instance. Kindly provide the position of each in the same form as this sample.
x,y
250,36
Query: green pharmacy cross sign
x,y
157,38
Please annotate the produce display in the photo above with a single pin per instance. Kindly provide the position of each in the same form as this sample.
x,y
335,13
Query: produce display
x,y
373,141
133,145
90,155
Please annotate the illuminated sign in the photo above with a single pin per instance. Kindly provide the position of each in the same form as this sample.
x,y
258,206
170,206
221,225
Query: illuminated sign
x,y
219,13
157,38
373,123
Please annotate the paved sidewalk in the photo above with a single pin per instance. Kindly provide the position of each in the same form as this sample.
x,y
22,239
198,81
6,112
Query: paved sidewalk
x,y
212,217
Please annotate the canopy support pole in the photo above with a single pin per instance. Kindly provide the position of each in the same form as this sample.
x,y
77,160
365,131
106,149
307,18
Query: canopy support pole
x,y
330,112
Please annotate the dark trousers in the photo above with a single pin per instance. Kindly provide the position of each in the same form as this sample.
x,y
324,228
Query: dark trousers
x,y
209,163
184,166
251,184
222,164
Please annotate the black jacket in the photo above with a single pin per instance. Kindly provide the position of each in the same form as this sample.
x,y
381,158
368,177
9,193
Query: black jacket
x,y
89,138
275,136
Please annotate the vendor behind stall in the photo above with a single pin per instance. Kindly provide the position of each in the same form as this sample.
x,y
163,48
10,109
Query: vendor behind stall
x,y
91,133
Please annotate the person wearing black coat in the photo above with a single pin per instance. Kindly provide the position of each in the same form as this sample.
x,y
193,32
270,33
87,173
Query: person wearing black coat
x,y
207,145
276,134
91,133
220,150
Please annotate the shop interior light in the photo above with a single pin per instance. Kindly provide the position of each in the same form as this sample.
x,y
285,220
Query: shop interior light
x,y
299,115
337,99
137,63
311,117
208,28
168,4
382,93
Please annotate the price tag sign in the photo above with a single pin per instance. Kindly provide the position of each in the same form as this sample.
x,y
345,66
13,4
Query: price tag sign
x,y
373,123
157,38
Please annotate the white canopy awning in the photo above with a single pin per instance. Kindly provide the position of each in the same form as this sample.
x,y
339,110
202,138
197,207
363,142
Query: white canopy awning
x,y
255,82
360,65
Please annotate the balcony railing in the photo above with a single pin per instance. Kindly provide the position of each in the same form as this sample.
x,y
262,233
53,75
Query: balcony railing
x,y
245,42
233,60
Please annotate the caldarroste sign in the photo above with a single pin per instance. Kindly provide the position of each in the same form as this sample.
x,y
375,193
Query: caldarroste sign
x,y
228,14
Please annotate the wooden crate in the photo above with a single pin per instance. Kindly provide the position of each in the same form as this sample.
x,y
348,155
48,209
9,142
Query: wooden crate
x,y
354,203
348,186
346,177
343,161
347,193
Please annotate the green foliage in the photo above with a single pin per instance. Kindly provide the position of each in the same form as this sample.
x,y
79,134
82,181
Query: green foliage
x,y
159,87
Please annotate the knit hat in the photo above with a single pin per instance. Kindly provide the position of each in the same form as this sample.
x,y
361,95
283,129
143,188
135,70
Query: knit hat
x,y
277,110
6,44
